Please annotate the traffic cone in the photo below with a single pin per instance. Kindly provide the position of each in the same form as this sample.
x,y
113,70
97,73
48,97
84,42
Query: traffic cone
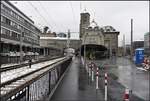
x,y
126,95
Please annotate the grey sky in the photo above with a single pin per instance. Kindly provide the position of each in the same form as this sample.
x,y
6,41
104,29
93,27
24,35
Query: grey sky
x,y
64,15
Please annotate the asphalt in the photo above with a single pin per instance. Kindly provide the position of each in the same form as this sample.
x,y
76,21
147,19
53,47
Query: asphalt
x,y
123,74
76,86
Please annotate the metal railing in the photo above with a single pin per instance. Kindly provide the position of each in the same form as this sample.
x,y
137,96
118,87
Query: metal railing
x,y
35,86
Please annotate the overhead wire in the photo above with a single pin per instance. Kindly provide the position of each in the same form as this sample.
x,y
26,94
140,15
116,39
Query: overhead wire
x,y
34,14
40,14
48,14
73,14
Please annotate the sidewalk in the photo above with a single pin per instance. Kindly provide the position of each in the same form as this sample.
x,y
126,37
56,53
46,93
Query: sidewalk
x,y
76,86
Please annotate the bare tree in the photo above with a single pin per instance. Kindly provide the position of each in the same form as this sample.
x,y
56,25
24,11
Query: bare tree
x,y
45,29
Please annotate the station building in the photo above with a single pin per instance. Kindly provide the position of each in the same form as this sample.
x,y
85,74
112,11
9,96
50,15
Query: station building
x,y
101,37
18,33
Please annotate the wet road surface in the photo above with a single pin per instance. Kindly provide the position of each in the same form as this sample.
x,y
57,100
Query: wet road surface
x,y
76,86
127,75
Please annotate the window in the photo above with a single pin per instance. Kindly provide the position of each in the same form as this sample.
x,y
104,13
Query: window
x,y
14,35
18,36
2,6
3,19
19,27
3,31
7,32
84,21
8,21
6,9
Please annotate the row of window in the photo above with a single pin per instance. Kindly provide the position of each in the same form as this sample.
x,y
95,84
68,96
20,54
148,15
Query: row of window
x,y
19,27
15,15
12,13
15,35
10,33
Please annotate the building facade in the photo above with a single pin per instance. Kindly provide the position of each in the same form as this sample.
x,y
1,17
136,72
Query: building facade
x,y
138,44
59,43
91,33
84,22
63,35
147,43
18,32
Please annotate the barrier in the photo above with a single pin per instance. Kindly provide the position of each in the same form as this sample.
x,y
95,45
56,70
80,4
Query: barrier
x,y
92,68
126,95
97,75
105,87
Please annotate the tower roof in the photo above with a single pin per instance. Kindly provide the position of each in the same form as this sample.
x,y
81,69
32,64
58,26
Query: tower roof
x,y
93,24
85,11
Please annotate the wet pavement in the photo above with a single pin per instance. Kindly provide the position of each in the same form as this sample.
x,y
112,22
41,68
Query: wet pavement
x,y
126,75
122,73
77,86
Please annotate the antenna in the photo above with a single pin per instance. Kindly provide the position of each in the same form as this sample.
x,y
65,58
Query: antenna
x,y
94,16
80,7
84,9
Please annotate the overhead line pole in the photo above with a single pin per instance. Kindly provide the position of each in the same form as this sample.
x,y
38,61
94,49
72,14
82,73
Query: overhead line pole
x,y
131,39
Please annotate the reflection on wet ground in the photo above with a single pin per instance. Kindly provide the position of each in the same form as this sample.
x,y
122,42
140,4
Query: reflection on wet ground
x,y
128,75
76,86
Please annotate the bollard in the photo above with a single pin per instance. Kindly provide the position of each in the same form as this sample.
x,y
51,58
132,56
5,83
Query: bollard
x,y
105,87
126,95
97,74
92,68
89,70
92,74
86,67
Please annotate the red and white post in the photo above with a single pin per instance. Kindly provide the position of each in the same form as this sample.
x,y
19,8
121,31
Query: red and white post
x,y
89,70
126,95
105,87
97,74
92,73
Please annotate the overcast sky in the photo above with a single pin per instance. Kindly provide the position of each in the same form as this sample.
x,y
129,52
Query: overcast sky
x,y
60,16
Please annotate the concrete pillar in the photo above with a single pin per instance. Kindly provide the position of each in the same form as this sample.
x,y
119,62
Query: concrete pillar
x,y
44,51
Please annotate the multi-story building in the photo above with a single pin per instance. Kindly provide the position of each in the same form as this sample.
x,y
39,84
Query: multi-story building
x,y
18,32
147,43
91,33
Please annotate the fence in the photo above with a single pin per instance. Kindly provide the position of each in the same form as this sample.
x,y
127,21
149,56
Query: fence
x,y
39,87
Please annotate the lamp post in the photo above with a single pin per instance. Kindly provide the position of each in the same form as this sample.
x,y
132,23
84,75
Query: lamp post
x,y
21,52
131,50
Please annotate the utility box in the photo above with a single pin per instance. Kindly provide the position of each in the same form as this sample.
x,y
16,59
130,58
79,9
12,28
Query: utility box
x,y
139,56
